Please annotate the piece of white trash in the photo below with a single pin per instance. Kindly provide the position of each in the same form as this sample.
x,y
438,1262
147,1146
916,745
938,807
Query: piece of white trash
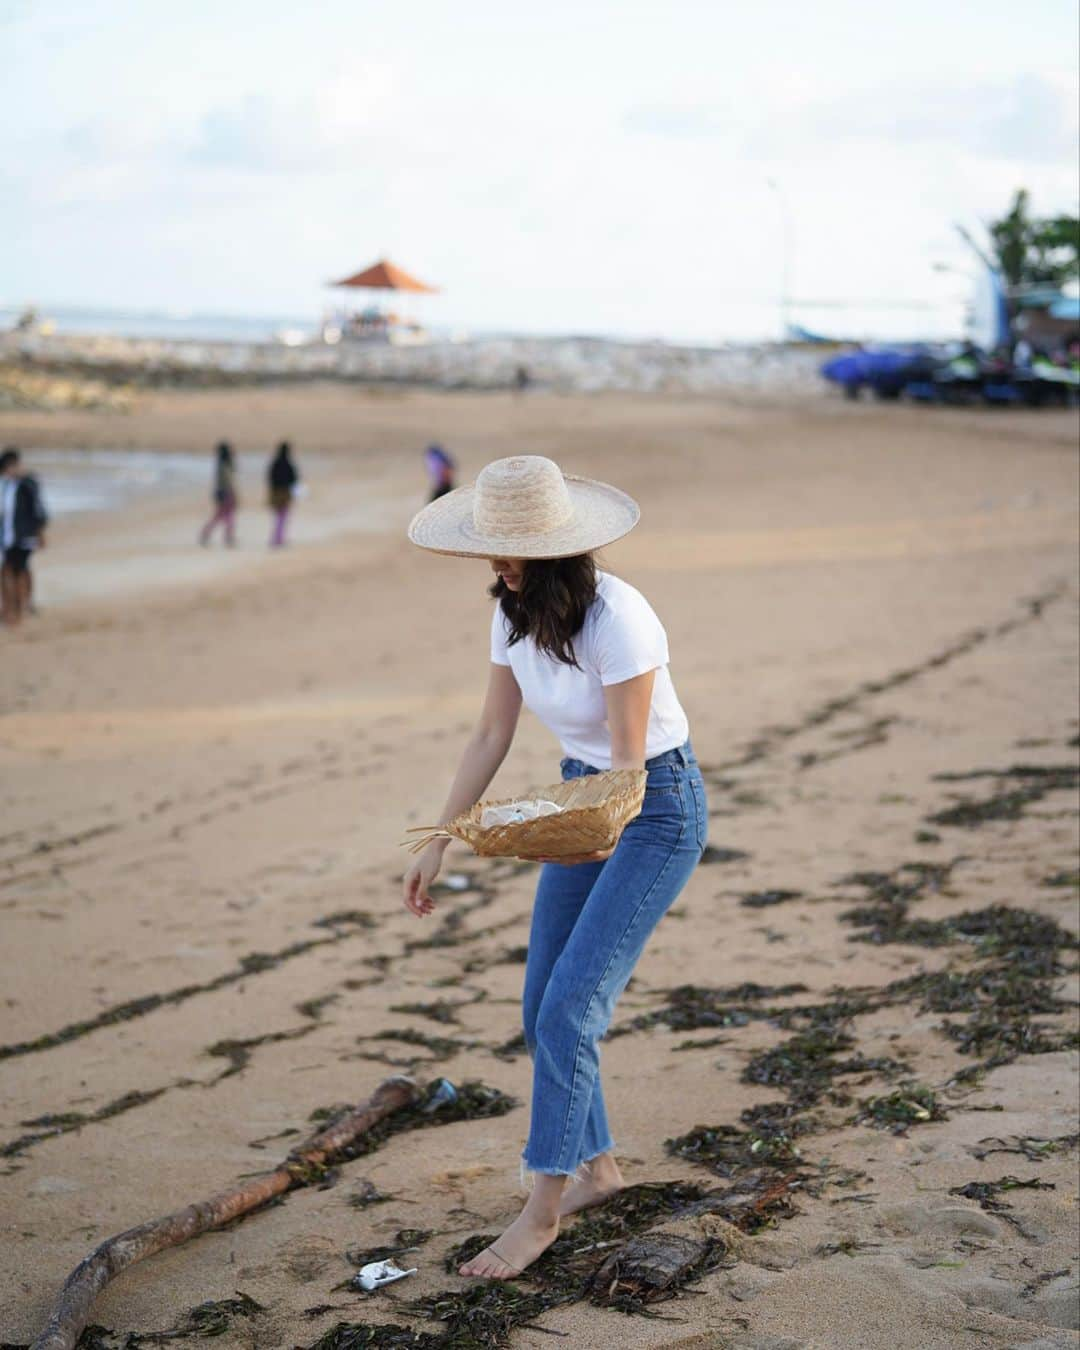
x,y
378,1273
514,813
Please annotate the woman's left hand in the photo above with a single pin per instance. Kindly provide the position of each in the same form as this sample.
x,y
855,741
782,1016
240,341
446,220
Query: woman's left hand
x,y
574,858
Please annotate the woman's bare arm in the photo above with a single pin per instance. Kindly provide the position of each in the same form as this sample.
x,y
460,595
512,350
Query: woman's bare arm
x,y
628,705
484,752
488,745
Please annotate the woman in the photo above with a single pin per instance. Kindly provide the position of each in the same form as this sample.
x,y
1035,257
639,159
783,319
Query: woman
x,y
282,478
224,497
586,653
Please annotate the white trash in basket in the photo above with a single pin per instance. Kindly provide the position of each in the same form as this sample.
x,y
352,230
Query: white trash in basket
x,y
515,813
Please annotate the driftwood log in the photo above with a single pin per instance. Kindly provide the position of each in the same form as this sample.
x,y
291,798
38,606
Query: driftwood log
x,y
72,1309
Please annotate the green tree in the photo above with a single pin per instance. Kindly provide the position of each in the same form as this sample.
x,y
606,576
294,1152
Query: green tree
x,y
1032,250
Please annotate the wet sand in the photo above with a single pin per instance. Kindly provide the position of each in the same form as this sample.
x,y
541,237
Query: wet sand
x,y
209,756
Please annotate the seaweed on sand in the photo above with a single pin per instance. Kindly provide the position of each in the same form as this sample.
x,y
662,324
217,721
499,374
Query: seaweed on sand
x,y
441,1047
511,1048
910,1104
483,1316
806,1065
762,899
442,1010
341,926
889,894
406,1240
733,1153
238,1052
722,855
1064,878
1035,782
1032,1147
690,1007
1016,953
366,1194
1006,1038
54,1123
986,1193
579,1250
380,1336
212,1318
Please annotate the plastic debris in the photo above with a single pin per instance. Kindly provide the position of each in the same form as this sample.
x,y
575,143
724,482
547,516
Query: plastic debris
x,y
377,1273
514,813
445,1094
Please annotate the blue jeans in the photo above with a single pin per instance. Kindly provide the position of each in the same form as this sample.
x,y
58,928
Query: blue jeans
x,y
589,927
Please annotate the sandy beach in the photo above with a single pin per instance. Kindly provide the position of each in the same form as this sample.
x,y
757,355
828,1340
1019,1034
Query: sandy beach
x,y
865,1000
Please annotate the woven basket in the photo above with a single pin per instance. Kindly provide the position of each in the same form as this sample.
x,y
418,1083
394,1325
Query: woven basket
x,y
595,810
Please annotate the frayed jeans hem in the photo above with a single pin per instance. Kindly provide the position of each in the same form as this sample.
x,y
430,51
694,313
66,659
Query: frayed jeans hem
x,y
578,1173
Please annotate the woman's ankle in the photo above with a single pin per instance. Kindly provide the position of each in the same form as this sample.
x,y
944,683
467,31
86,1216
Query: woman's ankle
x,y
542,1206
603,1167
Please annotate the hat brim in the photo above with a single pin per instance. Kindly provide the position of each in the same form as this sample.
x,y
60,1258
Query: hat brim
x,y
601,515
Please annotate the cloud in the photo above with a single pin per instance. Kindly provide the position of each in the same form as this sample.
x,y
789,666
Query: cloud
x,y
267,133
1030,118
677,120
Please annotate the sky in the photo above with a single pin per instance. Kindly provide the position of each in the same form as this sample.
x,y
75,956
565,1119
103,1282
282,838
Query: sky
x,y
586,166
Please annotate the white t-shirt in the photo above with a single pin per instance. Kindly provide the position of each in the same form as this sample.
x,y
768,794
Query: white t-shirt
x,y
621,638
8,491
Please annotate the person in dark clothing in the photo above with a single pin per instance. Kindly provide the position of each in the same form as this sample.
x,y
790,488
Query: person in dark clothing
x,y
282,478
22,529
224,497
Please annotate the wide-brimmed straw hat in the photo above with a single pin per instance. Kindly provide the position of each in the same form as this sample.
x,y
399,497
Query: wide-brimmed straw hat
x,y
525,507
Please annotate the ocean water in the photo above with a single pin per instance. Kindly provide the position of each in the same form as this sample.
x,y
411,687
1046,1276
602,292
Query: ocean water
x,y
74,481
745,322
166,325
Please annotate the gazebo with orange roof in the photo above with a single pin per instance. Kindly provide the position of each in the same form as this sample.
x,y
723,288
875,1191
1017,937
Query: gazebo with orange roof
x,y
385,276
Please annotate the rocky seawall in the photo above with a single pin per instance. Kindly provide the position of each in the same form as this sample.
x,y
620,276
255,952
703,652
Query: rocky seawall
x,y
565,365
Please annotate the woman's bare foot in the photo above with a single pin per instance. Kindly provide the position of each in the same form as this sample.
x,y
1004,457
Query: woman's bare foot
x,y
601,1180
525,1239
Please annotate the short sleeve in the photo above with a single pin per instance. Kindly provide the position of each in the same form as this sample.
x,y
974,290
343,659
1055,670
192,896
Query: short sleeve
x,y
629,639
500,653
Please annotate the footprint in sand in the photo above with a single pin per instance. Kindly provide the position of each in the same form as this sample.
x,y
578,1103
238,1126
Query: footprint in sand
x,y
917,1218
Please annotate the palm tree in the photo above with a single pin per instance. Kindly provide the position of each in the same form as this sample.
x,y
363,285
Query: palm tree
x,y
1031,251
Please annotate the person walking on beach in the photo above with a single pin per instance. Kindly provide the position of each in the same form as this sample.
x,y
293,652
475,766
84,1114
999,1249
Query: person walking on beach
x,y
282,478
22,529
585,652
441,470
224,497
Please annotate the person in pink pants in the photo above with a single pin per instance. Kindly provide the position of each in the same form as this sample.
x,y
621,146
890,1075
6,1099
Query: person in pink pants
x,y
224,498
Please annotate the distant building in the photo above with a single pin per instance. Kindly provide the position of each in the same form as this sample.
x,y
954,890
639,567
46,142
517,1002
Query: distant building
x,y
1046,316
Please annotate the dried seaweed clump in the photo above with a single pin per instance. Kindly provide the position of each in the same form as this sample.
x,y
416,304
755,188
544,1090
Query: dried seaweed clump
x,y
910,1104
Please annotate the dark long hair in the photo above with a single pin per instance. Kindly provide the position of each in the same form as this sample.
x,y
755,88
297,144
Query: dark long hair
x,y
551,605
